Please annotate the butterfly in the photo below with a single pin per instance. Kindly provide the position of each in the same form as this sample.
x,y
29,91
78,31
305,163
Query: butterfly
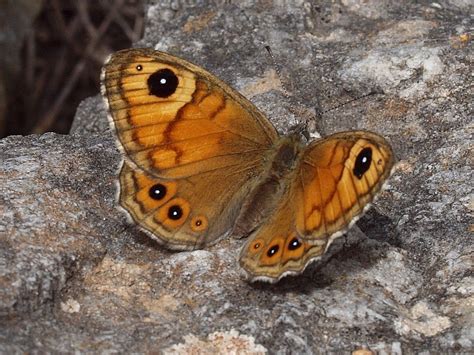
x,y
201,162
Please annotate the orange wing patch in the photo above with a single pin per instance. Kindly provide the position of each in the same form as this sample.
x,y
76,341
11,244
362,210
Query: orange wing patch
x,y
339,176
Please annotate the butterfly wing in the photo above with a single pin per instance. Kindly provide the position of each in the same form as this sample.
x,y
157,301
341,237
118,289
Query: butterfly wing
x,y
192,146
335,180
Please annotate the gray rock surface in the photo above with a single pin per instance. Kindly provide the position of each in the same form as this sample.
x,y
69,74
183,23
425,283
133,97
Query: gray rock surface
x,y
75,276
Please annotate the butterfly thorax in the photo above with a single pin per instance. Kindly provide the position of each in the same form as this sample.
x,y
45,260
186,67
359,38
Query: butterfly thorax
x,y
264,196
287,150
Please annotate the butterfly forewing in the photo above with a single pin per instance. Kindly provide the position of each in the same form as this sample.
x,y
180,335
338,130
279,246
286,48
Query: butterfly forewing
x,y
339,176
173,119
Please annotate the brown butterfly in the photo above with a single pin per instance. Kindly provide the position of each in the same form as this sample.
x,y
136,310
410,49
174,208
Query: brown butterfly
x,y
202,162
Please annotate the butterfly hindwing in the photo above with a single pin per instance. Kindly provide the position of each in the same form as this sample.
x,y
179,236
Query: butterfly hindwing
x,y
185,213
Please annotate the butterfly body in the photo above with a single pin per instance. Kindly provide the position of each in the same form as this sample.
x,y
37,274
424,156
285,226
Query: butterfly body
x,y
201,163
269,188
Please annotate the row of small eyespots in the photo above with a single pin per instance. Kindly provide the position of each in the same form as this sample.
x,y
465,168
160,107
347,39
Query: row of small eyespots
x,y
273,249
176,208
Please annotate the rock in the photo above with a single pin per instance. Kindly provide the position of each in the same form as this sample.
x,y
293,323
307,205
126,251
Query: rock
x,y
91,117
75,277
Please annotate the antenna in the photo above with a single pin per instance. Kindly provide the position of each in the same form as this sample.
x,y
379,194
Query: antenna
x,y
372,92
295,106
312,120
278,72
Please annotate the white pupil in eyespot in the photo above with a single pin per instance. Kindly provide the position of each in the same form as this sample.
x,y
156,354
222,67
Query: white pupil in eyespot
x,y
364,160
163,81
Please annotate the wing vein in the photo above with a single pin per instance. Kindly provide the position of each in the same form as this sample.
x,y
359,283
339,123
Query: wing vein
x,y
304,198
323,217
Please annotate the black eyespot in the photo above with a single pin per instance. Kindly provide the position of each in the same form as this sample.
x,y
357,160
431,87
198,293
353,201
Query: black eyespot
x,y
162,83
362,163
198,223
175,212
294,244
157,191
256,246
139,67
273,250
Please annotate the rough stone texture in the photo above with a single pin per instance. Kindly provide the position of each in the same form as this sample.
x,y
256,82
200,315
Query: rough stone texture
x,y
74,276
